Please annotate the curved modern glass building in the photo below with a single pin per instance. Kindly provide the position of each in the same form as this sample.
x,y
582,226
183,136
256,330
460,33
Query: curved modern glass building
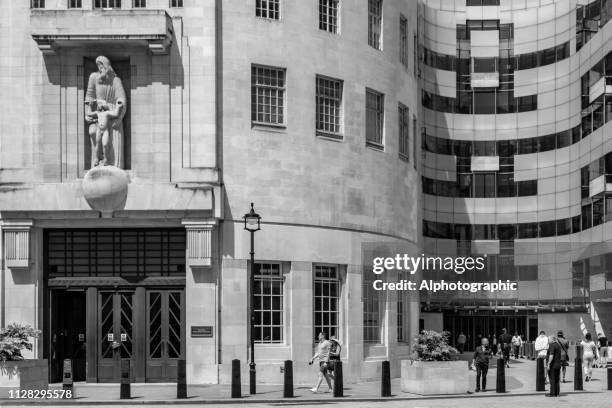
x,y
517,100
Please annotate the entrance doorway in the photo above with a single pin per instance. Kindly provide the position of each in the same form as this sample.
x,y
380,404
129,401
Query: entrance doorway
x,y
165,339
474,327
68,333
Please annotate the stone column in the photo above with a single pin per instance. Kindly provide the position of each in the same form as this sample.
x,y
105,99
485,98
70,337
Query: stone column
x,y
201,301
19,279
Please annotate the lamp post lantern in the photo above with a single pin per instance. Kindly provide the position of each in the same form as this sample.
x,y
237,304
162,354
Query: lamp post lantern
x,y
252,222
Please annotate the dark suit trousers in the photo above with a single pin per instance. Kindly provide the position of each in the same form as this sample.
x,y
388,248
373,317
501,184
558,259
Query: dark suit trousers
x,y
554,375
481,371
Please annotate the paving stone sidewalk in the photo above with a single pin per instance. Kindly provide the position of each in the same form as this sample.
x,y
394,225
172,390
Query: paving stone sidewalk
x,y
520,381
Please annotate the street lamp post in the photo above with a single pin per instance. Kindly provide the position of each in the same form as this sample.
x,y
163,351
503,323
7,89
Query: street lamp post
x,y
252,222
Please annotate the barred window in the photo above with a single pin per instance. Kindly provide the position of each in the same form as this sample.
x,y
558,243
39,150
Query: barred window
x,y
37,4
414,140
326,294
374,118
75,4
375,23
371,309
139,3
106,4
268,303
403,43
267,9
267,95
401,312
404,130
328,15
329,107
176,3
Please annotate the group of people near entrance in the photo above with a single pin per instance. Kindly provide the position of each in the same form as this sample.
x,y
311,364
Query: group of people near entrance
x,y
327,354
552,349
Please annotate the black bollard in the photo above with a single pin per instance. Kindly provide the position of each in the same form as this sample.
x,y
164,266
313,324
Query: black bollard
x,y
500,385
124,387
609,379
181,379
578,385
236,393
288,380
68,380
540,375
338,384
385,383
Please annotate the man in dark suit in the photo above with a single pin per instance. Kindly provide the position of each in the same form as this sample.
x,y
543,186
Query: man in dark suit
x,y
553,358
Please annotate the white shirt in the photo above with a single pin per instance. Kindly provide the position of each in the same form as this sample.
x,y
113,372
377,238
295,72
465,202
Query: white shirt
x,y
541,345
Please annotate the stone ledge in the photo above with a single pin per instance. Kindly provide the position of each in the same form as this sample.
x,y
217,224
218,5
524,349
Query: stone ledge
x,y
53,29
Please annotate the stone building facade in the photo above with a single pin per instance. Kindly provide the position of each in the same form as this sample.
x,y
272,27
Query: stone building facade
x,y
309,109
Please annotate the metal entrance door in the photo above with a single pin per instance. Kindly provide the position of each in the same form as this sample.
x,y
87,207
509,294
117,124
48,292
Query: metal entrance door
x,y
115,337
165,334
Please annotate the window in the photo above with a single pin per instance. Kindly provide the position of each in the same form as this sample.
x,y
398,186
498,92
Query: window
x,y
328,15
267,9
107,4
75,4
139,3
326,295
415,55
403,125
414,140
484,185
403,51
375,23
484,65
371,309
268,303
401,310
528,272
374,118
329,107
37,4
267,95
484,101
176,3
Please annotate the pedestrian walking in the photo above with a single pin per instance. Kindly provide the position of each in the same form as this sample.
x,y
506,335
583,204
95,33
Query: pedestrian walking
x,y
461,339
505,341
522,350
516,344
334,355
322,355
589,356
553,362
480,362
604,351
564,343
541,349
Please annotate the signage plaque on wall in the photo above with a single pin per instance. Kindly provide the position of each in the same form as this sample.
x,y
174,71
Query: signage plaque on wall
x,y
201,331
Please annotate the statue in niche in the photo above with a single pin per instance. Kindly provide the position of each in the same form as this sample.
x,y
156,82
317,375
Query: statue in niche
x,y
105,106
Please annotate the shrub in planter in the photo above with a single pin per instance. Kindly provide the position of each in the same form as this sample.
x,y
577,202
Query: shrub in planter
x,y
15,371
434,368
430,345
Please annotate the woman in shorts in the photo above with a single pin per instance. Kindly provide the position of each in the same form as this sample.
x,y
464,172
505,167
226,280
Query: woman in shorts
x,y
322,355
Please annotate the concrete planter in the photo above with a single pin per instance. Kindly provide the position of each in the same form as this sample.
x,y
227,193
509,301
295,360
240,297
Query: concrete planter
x,y
435,377
23,375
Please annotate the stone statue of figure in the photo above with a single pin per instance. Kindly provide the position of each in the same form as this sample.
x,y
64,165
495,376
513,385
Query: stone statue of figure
x,y
105,106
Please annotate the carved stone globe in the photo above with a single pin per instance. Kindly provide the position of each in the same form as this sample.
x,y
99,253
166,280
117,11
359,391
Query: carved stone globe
x,y
105,189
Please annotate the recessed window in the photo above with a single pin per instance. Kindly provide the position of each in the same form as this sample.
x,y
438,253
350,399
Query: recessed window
x,y
326,296
176,3
75,4
375,23
139,3
403,116
329,107
267,95
403,51
484,65
484,101
37,4
107,4
329,12
374,118
268,303
267,9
